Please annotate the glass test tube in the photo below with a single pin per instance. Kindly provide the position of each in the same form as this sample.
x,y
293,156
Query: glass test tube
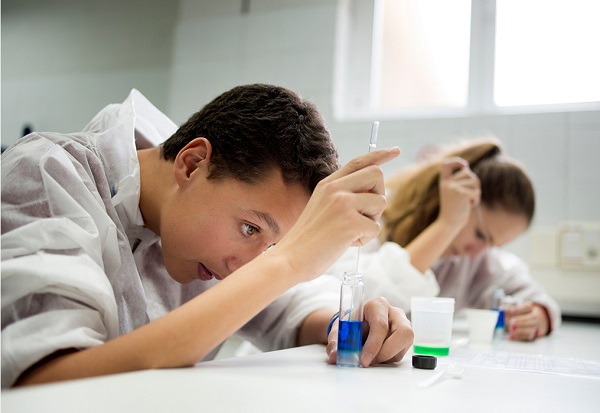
x,y
372,145
351,303
497,300
350,321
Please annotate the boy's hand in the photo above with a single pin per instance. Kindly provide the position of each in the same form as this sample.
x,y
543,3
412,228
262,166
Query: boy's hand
x,y
388,333
343,210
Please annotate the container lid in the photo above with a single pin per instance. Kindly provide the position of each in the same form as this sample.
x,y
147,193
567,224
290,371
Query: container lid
x,y
424,362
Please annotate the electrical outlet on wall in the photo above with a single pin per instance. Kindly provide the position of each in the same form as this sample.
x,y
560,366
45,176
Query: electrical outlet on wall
x,y
579,245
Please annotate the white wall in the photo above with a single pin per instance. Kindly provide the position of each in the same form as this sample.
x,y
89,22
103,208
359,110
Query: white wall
x,y
292,43
63,60
219,44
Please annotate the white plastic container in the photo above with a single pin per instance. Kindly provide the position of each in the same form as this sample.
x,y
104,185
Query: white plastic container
x,y
431,319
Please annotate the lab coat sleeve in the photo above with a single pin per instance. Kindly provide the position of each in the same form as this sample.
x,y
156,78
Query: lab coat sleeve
x,y
512,274
276,327
55,244
78,312
388,273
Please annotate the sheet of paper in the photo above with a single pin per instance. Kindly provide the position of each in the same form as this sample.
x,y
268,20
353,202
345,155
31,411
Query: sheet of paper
x,y
525,362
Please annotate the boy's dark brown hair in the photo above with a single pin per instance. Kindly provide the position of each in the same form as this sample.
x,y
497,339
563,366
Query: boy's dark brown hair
x,y
255,128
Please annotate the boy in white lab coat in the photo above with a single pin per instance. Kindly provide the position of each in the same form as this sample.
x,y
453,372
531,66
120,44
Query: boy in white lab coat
x,y
121,255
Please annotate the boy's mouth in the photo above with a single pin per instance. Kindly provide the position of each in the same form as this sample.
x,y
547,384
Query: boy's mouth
x,y
203,273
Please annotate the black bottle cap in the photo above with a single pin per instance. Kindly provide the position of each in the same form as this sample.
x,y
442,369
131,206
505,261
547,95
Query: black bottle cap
x,y
424,362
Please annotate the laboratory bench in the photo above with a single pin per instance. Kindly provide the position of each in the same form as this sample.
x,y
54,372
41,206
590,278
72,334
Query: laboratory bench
x,y
558,373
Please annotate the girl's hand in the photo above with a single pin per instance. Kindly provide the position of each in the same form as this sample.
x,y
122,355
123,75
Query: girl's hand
x,y
526,322
460,191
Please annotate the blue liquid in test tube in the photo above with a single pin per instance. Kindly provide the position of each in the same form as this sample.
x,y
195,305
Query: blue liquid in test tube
x,y
350,321
349,343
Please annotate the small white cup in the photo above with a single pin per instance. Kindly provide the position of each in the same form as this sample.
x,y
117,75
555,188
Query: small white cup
x,y
481,325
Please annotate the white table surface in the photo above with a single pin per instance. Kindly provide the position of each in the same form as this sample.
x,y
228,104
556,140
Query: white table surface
x,y
300,380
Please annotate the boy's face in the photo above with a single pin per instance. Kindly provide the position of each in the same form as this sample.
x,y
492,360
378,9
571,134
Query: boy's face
x,y
209,228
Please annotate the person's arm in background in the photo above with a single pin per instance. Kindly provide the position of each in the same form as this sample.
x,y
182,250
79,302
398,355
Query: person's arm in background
x,y
536,313
459,192
527,321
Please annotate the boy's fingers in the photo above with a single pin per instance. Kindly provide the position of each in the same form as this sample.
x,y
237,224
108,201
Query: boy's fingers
x,y
363,174
332,343
376,157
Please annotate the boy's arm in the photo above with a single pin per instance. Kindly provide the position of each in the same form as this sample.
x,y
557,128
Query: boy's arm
x,y
343,210
170,341
314,328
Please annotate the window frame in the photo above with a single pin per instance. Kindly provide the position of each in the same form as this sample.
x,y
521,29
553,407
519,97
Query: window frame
x,y
354,86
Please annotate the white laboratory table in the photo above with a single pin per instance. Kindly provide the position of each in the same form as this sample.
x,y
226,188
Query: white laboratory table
x,y
300,380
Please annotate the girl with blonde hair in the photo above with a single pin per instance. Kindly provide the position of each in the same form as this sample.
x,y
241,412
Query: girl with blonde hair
x,y
446,218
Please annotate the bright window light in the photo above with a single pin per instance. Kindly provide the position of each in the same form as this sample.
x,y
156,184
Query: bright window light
x,y
421,54
438,58
547,52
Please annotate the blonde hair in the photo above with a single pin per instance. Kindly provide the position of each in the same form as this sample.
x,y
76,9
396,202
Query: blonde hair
x,y
415,200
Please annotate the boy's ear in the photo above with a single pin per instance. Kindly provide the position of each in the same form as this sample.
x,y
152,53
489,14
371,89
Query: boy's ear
x,y
195,155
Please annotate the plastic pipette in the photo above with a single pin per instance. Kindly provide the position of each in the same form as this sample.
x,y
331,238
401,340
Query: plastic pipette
x,y
372,145
373,140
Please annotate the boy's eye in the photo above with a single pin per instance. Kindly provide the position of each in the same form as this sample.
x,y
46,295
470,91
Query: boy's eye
x,y
249,230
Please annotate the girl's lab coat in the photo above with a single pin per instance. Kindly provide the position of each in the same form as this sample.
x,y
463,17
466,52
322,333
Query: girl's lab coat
x,y
471,282
78,266
387,272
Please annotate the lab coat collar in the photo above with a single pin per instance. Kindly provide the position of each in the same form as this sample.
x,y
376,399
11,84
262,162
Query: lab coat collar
x,y
142,126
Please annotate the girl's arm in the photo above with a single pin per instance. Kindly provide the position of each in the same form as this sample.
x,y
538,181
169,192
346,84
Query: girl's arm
x,y
459,193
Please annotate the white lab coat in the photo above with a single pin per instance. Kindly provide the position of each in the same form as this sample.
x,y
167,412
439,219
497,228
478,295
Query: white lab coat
x,y
78,266
388,272
472,281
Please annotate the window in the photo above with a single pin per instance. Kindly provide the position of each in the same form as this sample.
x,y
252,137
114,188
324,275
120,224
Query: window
x,y
547,52
410,58
421,56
